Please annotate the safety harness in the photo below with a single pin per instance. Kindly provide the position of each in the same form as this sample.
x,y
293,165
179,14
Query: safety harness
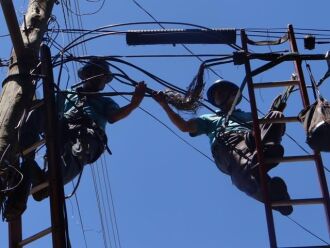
x,y
222,136
79,122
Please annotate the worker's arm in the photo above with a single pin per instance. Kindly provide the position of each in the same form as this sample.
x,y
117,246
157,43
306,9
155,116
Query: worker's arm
x,y
185,126
124,111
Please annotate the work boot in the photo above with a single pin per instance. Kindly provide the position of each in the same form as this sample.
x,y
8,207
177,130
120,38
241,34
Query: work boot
x,y
278,191
41,194
38,176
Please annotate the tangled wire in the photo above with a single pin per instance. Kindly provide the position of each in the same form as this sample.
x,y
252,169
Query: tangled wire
x,y
190,101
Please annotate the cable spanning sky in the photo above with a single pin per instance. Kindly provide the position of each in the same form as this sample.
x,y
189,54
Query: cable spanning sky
x,y
159,188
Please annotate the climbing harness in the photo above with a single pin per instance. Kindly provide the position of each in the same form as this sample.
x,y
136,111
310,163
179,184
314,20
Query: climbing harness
x,y
79,123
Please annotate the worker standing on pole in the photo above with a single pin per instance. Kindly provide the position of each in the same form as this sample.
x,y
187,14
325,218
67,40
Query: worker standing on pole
x,y
83,132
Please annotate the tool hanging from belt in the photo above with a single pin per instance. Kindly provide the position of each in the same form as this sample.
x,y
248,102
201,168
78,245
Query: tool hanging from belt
x,y
80,121
223,135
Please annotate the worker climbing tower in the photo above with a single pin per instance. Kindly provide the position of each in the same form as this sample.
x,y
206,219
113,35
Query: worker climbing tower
x,y
299,82
58,227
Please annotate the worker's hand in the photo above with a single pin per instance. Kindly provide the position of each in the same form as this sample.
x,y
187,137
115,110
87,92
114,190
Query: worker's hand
x,y
159,97
140,90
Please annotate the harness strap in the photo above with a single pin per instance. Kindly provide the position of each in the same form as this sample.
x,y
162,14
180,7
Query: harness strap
x,y
224,135
87,122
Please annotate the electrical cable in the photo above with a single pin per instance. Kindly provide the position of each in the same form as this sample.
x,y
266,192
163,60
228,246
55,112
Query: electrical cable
x,y
287,134
80,21
205,155
70,21
168,55
67,233
308,231
171,130
72,43
77,13
103,202
162,26
109,207
112,201
19,181
152,76
80,218
76,186
99,207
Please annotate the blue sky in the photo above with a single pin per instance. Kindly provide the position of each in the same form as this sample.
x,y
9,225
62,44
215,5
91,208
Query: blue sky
x,y
164,193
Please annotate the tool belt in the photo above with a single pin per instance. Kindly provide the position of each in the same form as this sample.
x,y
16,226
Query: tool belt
x,y
225,150
83,127
316,121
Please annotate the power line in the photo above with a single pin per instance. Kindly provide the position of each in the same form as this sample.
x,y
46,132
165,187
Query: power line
x,y
112,203
162,26
77,13
103,202
107,201
99,207
171,130
80,218
111,208
186,142
307,230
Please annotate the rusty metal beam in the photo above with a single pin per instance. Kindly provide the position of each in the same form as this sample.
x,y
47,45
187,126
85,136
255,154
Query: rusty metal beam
x,y
53,152
261,159
318,158
35,237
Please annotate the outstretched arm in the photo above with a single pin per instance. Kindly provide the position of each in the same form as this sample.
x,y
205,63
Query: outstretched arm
x,y
185,126
124,111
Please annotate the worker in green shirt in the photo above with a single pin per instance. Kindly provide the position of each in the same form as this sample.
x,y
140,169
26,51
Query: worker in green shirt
x,y
232,142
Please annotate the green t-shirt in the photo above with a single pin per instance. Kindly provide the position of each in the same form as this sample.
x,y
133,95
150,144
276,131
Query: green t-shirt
x,y
98,108
209,124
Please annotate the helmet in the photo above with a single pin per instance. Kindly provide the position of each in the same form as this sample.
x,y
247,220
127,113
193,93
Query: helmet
x,y
222,85
94,67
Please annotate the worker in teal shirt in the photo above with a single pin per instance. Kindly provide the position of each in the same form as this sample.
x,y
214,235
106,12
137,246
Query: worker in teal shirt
x,y
83,138
232,142
209,124
98,108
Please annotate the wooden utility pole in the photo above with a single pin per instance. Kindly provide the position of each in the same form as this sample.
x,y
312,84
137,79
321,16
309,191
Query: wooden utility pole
x,y
18,88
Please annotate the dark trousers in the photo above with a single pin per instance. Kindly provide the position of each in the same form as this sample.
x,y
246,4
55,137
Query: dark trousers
x,y
80,145
235,154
